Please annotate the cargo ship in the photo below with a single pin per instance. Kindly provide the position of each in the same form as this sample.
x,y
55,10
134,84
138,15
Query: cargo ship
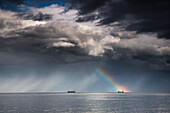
x,y
71,91
120,91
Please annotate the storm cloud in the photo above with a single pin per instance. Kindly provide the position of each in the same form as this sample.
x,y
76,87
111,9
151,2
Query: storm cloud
x,y
141,16
54,46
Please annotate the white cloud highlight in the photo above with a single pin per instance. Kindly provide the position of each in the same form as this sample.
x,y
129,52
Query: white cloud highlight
x,y
62,44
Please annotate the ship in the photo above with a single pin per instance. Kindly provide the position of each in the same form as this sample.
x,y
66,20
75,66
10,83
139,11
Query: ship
x,y
71,91
120,91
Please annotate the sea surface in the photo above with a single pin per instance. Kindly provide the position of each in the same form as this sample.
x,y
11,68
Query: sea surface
x,y
84,102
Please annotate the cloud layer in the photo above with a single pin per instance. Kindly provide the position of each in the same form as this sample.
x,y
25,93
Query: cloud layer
x,y
53,40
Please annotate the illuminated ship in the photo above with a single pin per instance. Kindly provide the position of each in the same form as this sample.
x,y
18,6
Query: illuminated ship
x,y
120,91
71,91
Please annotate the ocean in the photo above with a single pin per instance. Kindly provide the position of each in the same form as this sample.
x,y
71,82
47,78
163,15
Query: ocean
x,y
84,103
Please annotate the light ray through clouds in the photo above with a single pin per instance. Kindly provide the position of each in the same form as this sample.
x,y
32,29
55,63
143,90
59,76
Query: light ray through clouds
x,y
55,83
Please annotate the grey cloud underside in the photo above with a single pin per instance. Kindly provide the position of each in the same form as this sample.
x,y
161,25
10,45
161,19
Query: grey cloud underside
x,y
30,47
59,41
44,41
141,16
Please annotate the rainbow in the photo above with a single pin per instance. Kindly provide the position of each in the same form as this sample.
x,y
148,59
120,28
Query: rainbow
x,y
107,78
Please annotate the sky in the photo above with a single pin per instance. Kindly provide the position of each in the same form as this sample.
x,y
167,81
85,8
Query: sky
x,y
57,45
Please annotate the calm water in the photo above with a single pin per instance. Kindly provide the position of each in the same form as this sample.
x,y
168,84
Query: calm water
x,y
85,102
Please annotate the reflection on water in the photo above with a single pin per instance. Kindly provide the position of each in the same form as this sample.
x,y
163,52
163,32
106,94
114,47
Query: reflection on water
x,y
84,102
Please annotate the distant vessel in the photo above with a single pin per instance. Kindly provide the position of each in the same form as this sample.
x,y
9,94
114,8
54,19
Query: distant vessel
x,y
120,91
71,91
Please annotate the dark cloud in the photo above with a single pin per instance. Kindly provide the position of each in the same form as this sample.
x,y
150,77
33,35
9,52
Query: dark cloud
x,y
8,2
140,16
36,17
